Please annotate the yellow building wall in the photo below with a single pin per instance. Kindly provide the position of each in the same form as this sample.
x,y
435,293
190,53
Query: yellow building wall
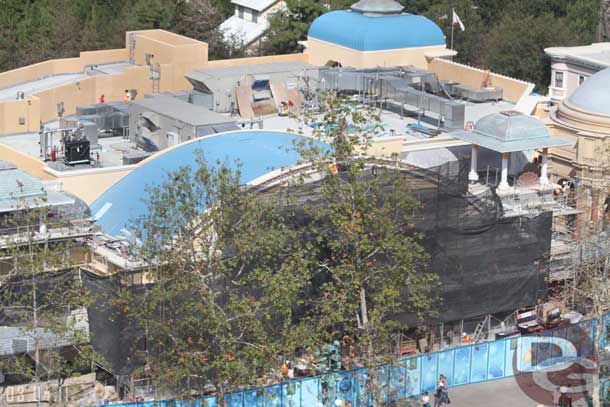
x,y
321,52
167,48
12,110
514,89
59,66
177,55
224,63
89,187
24,162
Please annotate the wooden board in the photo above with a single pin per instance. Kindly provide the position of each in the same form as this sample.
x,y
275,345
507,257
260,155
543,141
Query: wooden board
x,y
279,92
243,94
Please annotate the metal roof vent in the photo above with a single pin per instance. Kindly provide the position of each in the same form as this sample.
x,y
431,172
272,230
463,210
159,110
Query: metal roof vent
x,y
377,8
511,113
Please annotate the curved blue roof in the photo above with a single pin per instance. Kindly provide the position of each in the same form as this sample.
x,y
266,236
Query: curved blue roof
x,y
365,33
594,94
259,152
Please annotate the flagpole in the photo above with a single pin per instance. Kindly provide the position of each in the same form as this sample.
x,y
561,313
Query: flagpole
x,y
452,28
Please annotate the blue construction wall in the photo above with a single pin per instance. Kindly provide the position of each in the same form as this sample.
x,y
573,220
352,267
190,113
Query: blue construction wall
x,y
412,376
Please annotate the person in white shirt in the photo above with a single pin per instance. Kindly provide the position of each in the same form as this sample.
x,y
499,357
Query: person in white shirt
x,y
426,400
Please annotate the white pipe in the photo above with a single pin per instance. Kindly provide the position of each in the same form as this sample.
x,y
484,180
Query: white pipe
x,y
473,177
544,177
504,179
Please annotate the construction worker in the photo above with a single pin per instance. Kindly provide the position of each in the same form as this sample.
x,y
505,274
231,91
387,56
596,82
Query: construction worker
x,y
127,97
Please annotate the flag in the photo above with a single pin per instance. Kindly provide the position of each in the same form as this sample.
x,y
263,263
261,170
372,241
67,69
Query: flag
x,y
457,22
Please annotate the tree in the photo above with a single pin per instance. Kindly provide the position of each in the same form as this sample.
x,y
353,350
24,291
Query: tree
x,y
604,24
515,46
287,28
467,43
199,19
583,16
368,259
42,297
227,276
245,279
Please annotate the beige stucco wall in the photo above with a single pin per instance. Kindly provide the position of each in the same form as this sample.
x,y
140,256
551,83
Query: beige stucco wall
x,y
321,52
586,159
24,162
175,54
514,89
58,66
12,110
223,63
90,185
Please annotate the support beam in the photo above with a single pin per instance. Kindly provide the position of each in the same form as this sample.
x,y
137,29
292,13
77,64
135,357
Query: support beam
x,y
504,176
544,168
473,176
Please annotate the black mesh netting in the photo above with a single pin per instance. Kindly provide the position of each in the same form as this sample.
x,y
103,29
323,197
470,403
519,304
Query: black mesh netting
x,y
487,263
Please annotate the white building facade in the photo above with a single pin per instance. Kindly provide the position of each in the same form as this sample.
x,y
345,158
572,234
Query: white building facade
x,y
248,24
572,66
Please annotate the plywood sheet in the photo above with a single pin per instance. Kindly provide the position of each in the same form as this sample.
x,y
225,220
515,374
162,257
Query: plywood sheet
x,y
244,101
279,91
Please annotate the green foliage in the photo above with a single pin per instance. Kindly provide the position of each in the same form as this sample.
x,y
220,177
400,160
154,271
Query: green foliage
x,y
583,18
37,30
260,277
515,44
227,281
370,264
506,36
34,31
287,28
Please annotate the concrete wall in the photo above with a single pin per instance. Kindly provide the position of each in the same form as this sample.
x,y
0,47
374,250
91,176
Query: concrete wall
x,y
321,53
514,89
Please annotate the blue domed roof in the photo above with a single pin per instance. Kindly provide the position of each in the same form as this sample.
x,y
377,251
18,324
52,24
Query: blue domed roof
x,y
594,94
258,152
376,33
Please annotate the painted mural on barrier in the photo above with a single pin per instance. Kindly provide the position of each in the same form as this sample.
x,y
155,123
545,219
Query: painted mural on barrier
x,y
525,357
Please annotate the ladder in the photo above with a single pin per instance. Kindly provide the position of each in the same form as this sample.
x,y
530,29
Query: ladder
x,y
155,77
480,329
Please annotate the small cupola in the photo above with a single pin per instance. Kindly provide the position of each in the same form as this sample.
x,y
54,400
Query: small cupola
x,y
377,8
